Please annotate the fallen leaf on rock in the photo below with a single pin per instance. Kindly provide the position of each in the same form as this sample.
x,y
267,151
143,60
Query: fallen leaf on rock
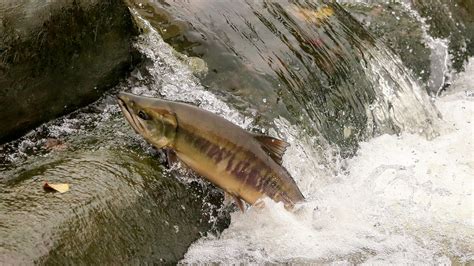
x,y
61,188
55,144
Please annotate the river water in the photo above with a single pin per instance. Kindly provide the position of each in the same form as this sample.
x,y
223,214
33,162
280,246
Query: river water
x,y
401,199
386,170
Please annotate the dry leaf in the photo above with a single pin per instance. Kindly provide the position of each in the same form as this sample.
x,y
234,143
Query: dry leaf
x,y
61,188
55,144
316,16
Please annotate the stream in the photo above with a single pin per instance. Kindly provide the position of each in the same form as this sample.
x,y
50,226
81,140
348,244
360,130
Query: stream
x,y
383,156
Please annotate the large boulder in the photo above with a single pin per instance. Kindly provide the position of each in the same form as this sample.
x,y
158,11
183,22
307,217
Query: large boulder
x,y
56,56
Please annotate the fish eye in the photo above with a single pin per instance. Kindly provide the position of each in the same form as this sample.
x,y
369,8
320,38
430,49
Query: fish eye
x,y
143,115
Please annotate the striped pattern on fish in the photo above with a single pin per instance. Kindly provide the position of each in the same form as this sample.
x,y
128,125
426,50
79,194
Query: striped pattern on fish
x,y
245,165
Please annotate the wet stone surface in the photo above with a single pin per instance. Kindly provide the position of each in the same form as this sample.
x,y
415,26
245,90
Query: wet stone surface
x,y
123,206
257,64
399,31
58,56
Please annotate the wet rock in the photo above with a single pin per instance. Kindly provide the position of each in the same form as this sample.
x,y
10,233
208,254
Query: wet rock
x,y
197,65
399,30
58,56
453,20
122,207
432,37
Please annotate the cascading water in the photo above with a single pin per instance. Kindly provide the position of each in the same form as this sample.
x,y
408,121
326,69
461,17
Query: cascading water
x,y
320,72
440,56
404,198
440,59
399,200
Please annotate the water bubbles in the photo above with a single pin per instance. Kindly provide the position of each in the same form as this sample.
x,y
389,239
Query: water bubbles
x,y
137,74
394,203
176,81
347,131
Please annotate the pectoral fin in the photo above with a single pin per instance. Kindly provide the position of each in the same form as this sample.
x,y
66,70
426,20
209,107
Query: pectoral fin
x,y
238,201
273,147
171,158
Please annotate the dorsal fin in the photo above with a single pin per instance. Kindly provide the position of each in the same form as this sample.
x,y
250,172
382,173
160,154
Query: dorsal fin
x,y
273,147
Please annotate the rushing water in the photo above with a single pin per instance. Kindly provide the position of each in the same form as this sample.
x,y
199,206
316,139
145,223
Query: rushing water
x,y
309,62
401,199
405,197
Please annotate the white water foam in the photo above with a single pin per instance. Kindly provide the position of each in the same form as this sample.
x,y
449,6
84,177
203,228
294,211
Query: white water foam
x,y
173,79
401,199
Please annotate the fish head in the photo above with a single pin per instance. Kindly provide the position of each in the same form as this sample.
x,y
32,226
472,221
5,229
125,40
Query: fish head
x,y
150,117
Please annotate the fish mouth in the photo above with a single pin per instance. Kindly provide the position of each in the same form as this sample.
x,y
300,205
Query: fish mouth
x,y
136,125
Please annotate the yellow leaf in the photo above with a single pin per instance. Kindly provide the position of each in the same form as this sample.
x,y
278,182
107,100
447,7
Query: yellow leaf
x,y
316,16
61,188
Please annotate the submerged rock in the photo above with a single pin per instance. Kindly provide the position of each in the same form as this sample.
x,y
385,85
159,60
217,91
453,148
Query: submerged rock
x,y
453,20
397,29
434,38
58,56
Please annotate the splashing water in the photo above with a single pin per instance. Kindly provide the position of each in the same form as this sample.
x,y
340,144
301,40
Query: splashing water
x,y
441,69
440,59
401,199
399,99
174,80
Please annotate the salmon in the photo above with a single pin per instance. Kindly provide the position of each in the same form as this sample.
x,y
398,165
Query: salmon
x,y
245,165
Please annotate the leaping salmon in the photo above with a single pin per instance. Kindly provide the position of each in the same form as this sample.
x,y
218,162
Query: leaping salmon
x,y
245,165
